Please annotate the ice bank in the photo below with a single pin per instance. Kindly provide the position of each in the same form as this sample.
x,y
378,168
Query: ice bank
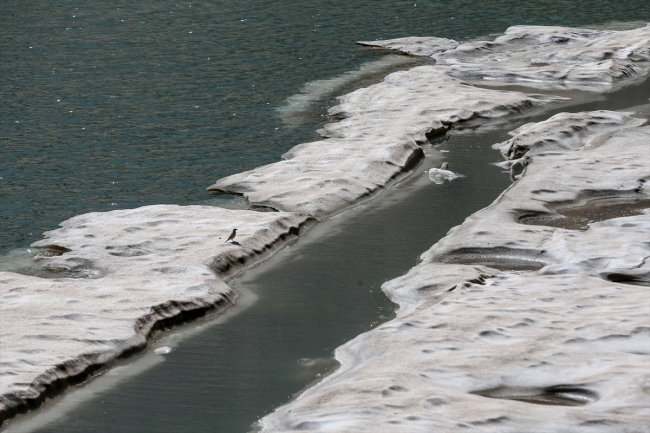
x,y
472,334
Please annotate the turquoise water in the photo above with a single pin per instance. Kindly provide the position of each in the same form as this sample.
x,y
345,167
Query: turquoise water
x,y
117,104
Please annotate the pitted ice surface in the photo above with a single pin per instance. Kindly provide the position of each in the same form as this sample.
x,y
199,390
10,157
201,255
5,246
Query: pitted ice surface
x,y
513,322
560,353
150,267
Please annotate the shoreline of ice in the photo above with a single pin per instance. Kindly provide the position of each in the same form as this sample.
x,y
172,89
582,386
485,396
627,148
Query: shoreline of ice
x,y
530,316
155,266
139,272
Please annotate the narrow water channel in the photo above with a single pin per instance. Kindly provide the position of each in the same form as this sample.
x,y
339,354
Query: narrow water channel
x,y
297,307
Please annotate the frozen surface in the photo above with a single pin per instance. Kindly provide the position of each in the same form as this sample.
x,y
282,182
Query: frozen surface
x,y
565,131
517,320
137,271
611,170
545,57
487,357
383,125
126,274
377,142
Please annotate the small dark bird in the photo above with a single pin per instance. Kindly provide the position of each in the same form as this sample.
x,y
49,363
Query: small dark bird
x,y
232,235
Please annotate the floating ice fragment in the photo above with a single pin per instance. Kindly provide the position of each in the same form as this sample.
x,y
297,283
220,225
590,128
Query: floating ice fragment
x,y
503,164
439,175
162,350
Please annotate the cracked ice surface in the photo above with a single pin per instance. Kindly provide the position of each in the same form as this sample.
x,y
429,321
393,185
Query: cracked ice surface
x,y
149,268
561,347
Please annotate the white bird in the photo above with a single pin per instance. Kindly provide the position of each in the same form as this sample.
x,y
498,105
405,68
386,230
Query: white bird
x,y
232,235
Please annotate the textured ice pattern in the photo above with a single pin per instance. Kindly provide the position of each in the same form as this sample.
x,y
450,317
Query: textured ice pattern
x,y
544,57
514,322
138,271
377,142
477,342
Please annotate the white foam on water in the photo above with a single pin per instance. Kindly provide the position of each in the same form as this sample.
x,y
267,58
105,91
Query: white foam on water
x,y
293,111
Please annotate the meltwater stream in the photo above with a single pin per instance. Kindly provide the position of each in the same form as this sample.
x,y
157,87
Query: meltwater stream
x,y
296,308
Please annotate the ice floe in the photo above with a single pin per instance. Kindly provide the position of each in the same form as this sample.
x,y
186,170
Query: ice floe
x,y
153,267
377,142
523,318
378,139
544,57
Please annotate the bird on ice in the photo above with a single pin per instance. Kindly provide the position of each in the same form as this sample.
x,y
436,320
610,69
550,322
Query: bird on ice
x,y
232,235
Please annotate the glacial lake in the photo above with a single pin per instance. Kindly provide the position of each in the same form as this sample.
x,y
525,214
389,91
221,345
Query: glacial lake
x,y
112,106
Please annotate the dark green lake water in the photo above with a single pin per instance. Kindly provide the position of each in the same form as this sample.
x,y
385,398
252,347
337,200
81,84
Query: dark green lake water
x,y
117,105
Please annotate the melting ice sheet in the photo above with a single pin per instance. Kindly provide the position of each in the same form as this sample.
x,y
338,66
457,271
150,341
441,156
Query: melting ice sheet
x,y
99,387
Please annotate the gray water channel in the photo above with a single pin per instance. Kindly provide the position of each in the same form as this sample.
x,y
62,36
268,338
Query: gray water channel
x,y
225,373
